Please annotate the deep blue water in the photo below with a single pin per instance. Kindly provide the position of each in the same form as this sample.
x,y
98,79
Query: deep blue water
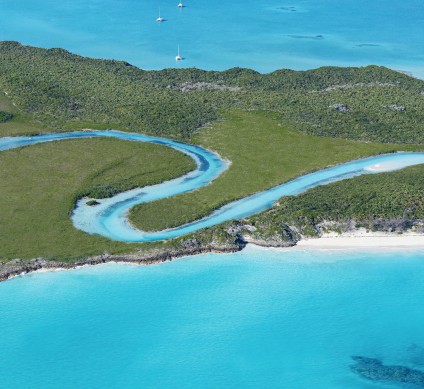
x,y
259,34
255,319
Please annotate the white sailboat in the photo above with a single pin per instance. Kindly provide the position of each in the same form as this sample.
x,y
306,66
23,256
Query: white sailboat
x,y
178,57
180,4
160,19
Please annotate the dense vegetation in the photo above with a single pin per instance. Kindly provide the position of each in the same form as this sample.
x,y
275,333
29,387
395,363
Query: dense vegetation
x,y
264,153
39,185
62,90
384,202
272,127
5,116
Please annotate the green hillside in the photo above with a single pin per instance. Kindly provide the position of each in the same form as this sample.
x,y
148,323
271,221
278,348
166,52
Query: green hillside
x,y
61,91
272,127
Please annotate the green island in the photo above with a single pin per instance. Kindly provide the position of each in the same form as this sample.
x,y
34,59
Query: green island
x,y
272,127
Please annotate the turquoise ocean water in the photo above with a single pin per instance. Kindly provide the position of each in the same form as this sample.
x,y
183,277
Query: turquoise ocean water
x,y
256,319
263,34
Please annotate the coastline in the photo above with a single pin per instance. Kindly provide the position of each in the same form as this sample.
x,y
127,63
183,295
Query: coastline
x,y
18,267
361,239
355,240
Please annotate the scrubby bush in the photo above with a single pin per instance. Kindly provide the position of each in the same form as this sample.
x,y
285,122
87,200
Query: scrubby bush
x,y
5,116
60,88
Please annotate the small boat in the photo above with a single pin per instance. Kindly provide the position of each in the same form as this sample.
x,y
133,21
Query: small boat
x,y
160,19
180,4
178,57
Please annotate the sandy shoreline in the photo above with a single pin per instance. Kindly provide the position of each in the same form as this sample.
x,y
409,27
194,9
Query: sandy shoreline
x,y
358,240
362,240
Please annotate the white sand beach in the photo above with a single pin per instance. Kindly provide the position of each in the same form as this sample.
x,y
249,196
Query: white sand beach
x,y
364,239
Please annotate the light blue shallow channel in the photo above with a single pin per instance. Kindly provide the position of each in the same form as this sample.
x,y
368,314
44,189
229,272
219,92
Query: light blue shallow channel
x,y
110,217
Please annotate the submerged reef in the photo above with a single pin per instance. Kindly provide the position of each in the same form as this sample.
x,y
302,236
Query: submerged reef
x,y
367,45
287,9
313,37
374,370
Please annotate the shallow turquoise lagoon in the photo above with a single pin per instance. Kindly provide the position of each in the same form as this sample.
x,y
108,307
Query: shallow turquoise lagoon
x,y
264,35
256,319
109,217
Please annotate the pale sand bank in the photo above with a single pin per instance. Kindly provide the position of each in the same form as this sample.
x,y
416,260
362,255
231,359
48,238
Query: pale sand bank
x,y
361,239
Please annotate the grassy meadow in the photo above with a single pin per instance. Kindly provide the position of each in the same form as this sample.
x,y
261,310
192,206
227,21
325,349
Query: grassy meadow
x,y
263,152
39,184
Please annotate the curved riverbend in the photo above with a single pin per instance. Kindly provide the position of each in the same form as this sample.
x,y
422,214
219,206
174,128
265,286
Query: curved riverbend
x,y
109,218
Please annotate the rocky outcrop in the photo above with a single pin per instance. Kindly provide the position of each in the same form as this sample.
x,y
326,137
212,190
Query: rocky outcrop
x,y
191,247
273,241
396,225
273,234
195,86
395,107
229,237
340,107
265,236
357,85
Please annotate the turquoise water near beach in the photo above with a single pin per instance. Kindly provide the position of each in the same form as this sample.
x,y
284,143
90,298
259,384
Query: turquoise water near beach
x,y
264,35
256,319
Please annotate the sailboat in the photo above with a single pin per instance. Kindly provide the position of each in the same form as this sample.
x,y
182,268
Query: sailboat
x,y
160,19
178,57
180,4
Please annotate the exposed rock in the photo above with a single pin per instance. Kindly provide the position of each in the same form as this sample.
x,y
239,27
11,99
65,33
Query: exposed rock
x,y
188,247
395,107
230,237
194,86
235,228
273,241
17,261
73,105
340,107
396,225
357,85
247,233
191,243
277,236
